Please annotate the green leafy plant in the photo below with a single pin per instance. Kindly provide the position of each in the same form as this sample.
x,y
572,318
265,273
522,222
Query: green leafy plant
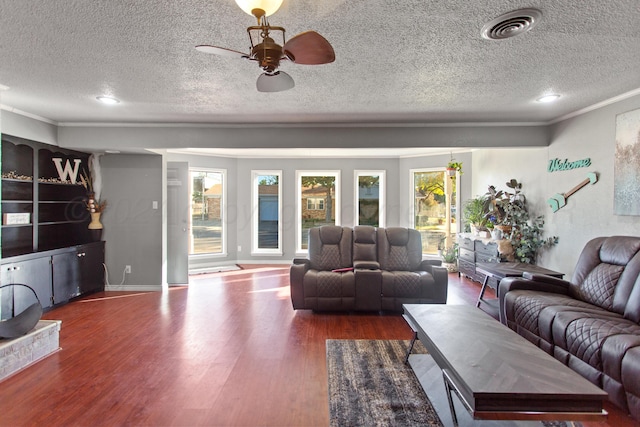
x,y
450,254
510,208
457,166
475,212
503,207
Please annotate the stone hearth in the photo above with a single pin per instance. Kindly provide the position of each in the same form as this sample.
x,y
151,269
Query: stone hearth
x,y
18,353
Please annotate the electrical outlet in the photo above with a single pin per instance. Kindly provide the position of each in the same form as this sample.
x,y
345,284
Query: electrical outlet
x,y
127,269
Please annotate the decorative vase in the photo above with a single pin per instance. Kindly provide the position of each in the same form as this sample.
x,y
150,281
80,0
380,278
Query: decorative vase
x,y
451,267
95,226
496,234
506,229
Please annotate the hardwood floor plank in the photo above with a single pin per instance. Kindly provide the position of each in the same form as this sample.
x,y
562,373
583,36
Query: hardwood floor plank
x,y
228,350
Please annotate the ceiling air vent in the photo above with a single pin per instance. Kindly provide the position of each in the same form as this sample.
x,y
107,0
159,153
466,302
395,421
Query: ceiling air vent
x,y
511,24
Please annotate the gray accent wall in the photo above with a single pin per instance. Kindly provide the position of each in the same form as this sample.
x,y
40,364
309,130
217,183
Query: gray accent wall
x,y
133,230
589,212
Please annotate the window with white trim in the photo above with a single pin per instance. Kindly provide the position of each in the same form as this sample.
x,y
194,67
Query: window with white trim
x,y
266,236
370,198
208,208
318,202
433,204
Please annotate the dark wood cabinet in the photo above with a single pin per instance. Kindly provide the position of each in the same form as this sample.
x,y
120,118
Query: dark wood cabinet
x,y
42,182
35,273
46,243
57,275
66,276
472,249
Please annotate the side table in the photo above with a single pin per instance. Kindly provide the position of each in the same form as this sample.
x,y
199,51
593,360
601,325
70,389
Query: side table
x,y
499,271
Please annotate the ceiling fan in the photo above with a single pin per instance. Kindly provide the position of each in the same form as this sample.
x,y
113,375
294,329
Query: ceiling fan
x,y
308,48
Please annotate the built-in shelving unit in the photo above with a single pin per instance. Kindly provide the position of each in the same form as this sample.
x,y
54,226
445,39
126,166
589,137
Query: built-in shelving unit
x,y
45,240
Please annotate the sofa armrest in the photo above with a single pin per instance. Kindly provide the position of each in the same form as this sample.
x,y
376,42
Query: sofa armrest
x,y
531,282
441,278
296,276
429,262
366,265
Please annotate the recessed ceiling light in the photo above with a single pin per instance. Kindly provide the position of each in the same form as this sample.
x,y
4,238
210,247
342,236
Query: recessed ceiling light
x,y
112,151
548,98
108,100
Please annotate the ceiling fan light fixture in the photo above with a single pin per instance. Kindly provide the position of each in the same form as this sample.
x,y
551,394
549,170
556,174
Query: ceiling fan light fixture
x,y
268,6
276,82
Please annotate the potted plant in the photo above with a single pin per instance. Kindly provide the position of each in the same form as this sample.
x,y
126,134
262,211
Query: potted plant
x,y
450,258
453,167
508,211
504,207
475,214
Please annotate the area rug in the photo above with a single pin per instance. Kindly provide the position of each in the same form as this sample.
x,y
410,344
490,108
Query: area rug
x,y
370,385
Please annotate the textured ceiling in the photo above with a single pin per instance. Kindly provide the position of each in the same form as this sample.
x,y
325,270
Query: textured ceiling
x,y
396,61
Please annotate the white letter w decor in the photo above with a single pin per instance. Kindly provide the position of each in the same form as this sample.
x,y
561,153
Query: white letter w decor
x,y
68,171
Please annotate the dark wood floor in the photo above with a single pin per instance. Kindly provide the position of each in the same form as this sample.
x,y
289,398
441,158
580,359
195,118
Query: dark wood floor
x,y
227,350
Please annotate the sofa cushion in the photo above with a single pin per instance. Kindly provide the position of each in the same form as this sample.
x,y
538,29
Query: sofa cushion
x,y
526,309
330,247
326,290
600,284
583,334
606,274
365,249
399,249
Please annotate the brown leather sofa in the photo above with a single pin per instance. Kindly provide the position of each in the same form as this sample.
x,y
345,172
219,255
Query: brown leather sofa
x,y
591,323
365,269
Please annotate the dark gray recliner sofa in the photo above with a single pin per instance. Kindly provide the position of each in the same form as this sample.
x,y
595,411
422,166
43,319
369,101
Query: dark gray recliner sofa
x,y
365,269
591,323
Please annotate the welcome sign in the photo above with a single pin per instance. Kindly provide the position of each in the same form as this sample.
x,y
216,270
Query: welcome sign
x,y
556,165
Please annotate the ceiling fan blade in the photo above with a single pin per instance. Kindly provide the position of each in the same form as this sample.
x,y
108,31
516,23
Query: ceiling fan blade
x,y
276,82
215,50
309,48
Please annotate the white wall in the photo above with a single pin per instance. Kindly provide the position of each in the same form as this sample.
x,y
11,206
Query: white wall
x,y
589,212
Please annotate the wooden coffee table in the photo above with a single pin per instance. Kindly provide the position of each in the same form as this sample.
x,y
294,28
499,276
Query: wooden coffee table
x,y
500,270
496,373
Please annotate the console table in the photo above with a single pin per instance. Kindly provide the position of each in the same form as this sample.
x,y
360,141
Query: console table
x,y
499,271
496,373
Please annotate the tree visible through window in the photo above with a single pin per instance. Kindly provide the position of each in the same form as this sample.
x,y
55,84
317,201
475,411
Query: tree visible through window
x,y
430,204
207,212
318,202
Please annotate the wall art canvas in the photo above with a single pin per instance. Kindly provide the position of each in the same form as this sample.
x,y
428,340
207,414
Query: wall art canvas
x,y
626,185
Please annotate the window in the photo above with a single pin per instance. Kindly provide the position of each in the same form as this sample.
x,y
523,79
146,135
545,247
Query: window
x,y
208,205
315,204
433,207
266,237
369,192
318,201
